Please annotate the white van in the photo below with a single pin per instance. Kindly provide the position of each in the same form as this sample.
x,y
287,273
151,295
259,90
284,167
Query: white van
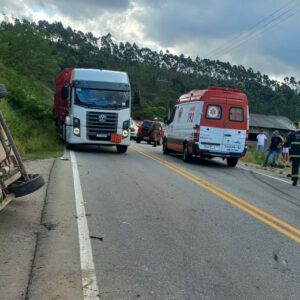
x,y
209,123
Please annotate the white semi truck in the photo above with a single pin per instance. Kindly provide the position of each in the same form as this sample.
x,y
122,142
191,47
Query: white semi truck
x,y
92,106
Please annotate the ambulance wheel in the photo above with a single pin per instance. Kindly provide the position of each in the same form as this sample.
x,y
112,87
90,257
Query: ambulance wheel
x,y
165,147
186,156
121,148
21,187
232,161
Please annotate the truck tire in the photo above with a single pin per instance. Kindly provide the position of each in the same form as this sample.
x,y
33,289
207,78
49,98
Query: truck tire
x,y
121,148
3,91
165,147
232,161
138,140
186,156
21,187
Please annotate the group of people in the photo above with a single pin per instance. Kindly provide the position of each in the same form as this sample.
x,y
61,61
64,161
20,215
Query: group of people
x,y
289,147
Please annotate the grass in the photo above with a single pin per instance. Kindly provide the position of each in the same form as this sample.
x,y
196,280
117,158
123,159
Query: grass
x,y
34,139
257,158
254,157
42,155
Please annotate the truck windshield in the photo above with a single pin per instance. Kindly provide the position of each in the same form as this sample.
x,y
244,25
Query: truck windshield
x,y
105,99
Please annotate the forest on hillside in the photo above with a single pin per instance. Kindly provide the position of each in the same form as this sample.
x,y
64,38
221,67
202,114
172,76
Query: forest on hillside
x,y
31,55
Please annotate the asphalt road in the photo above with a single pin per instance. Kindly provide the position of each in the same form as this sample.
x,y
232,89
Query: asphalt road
x,y
164,233
143,225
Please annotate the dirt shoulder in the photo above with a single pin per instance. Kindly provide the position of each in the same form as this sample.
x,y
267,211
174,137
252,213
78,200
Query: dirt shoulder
x,y
282,172
19,225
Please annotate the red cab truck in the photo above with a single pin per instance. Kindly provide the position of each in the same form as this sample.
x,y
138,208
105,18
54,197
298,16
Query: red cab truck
x,y
92,106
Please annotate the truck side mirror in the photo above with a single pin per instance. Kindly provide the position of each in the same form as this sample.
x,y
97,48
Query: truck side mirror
x,y
65,92
3,91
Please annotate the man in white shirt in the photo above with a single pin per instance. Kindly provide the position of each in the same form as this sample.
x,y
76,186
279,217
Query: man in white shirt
x,y
261,137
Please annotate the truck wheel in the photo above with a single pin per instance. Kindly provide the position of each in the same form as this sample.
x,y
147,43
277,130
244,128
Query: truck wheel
x,y
165,147
186,156
21,187
138,140
232,161
121,148
3,91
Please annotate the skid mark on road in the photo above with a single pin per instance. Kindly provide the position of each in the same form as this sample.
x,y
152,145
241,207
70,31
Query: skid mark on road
x,y
88,274
259,214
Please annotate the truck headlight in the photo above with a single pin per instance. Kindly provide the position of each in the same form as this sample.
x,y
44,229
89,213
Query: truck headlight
x,y
126,124
76,131
125,133
76,126
76,122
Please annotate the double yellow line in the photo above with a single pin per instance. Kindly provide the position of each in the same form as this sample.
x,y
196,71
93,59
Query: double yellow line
x,y
266,218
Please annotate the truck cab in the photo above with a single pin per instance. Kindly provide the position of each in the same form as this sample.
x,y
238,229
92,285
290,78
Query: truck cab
x,y
93,106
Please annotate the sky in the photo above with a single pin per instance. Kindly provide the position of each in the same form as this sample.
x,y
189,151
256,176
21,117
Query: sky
x,y
263,35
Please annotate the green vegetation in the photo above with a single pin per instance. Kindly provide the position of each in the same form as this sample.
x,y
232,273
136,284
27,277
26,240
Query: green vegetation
x,y
254,157
31,54
257,158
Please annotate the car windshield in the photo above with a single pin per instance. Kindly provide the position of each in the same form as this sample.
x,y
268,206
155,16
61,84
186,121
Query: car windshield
x,y
146,125
105,99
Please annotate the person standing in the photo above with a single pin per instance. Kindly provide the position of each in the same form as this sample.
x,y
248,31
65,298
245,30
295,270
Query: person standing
x,y
261,137
285,151
275,143
293,140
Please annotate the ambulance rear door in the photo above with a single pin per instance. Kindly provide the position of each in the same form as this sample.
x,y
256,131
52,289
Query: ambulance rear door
x,y
212,124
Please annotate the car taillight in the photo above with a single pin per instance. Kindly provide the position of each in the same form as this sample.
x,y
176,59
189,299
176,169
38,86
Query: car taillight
x,y
196,134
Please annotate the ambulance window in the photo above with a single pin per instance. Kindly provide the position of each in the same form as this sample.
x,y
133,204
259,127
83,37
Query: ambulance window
x,y
172,114
213,112
236,114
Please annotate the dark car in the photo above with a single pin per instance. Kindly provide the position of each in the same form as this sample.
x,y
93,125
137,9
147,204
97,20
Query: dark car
x,y
151,132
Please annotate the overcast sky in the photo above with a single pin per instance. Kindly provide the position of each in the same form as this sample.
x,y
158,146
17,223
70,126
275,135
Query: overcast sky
x,y
263,35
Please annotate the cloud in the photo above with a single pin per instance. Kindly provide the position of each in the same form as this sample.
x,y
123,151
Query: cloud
x,y
241,32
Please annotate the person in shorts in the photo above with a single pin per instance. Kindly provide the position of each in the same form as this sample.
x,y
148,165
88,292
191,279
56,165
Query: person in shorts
x,y
261,138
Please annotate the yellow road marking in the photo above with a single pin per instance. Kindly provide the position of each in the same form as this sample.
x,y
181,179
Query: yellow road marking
x,y
268,219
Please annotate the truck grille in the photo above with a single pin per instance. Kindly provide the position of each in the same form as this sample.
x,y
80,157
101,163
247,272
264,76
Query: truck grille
x,y
100,125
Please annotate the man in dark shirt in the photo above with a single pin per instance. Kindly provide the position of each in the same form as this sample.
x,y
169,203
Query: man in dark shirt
x,y
276,142
293,140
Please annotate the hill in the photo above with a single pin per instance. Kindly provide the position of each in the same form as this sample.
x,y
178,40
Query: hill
x,y
31,54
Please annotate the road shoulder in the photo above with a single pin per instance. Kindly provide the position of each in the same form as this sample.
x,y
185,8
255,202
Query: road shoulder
x,y
19,225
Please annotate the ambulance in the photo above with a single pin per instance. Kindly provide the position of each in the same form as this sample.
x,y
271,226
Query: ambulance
x,y
209,123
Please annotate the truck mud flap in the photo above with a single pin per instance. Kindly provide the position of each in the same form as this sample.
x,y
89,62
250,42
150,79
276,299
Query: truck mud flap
x,y
21,188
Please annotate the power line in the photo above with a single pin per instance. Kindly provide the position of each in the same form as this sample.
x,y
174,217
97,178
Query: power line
x,y
252,31
236,37
256,34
